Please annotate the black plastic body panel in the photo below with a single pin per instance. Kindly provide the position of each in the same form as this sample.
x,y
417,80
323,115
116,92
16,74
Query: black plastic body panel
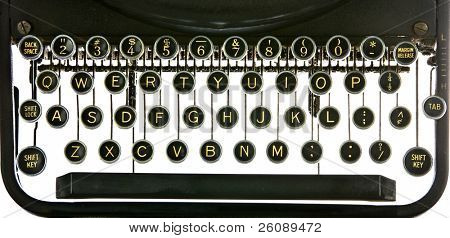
x,y
82,19
91,18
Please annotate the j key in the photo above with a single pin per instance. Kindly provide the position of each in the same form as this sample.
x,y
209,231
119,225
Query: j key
x,y
303,48
131,47
260,117
338,47
31,47
166,47
63,47
97,47
235,48
269,48
201,47
372,48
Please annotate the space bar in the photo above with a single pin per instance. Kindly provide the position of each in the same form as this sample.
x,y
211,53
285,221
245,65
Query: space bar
x,y
225,186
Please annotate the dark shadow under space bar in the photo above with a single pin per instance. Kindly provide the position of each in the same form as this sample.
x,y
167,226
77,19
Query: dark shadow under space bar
x,y
225,186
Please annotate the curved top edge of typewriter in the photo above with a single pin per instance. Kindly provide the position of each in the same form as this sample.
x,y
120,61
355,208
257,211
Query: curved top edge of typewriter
x,y
223,17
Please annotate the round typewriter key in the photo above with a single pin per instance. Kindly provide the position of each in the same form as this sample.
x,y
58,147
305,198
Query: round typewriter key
x,y
166,47
380,151
125,117
193,117
184,82
31,160
131,47
57,116
405,53
355,82
227,117
312,151
303,48
363,118
30,110
109,151
294,117
211,151
150,82
31,47
338,47
75,151
97,47
244,151
286,82
400,117
235,48
389,81
320,83
63,47
260,117
329,117
201,47
269,48
158,117
47,81
372,48
142,151
91,117
251,82
82,82
217,82
177,151
418,161
350,151
115,82
434,107
277,151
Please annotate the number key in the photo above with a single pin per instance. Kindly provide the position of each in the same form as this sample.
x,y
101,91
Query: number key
x,y
269,48
303,48
338,47
63,47
201,47
131,47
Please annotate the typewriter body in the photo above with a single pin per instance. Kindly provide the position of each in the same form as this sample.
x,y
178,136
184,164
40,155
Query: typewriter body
x,y
318,108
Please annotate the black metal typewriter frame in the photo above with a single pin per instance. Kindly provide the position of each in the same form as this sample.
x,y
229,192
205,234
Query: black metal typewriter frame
x,y
202,209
